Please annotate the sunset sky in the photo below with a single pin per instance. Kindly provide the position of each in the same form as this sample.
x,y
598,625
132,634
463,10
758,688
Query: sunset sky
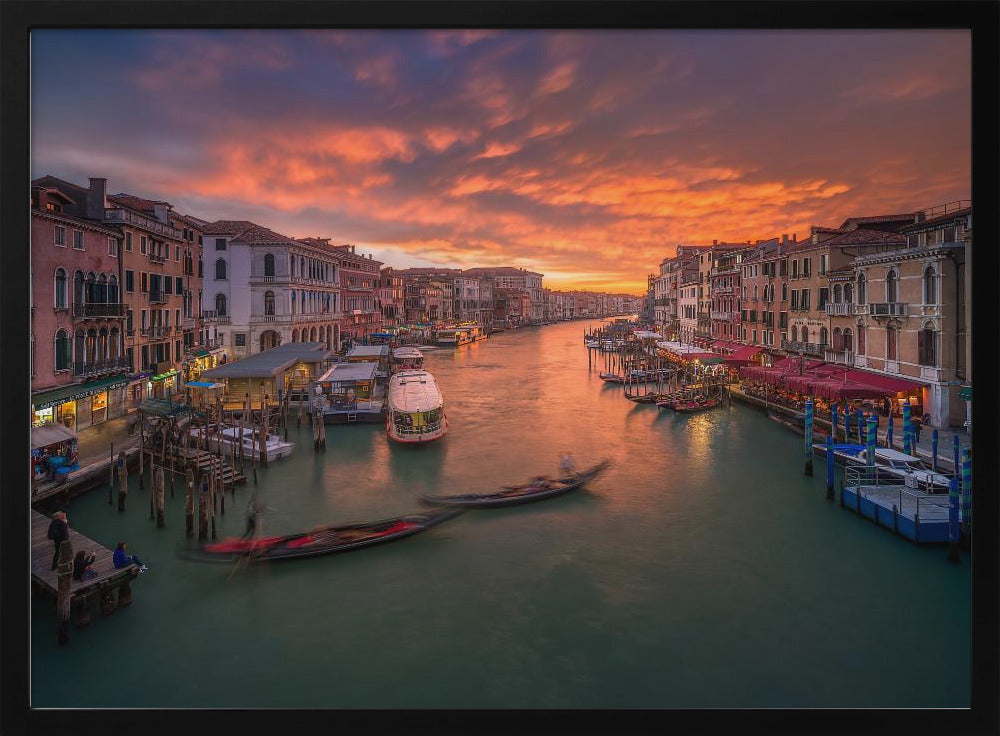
x,y
585,155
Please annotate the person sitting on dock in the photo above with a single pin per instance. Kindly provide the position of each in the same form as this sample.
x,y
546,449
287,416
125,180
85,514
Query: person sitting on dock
x,y
124,560
81,565
58,533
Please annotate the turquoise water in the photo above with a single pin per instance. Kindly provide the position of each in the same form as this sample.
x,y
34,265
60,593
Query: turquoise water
x,y
703,569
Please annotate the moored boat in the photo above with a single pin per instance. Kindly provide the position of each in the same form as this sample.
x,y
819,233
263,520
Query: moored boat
x,y
910,470
415,408
536,490
612,377
322,540
224,440
699,403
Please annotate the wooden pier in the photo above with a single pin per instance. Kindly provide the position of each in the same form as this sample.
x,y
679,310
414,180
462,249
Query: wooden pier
x,y
203,461
108,579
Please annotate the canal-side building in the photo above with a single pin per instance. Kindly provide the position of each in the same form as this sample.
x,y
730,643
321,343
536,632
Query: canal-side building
x,y
79,371
725,304
359,280
390,298
262,289
914,315
510,278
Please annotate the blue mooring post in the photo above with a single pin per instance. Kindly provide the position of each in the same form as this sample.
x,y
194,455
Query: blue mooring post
x,y
809,437
955,446
861,425
829,468
934,448
833,421
847,424
907,428
966,491
888,434
953,502
870,449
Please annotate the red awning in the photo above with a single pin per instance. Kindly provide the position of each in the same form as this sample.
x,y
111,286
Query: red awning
x,y
845,390
888,384
742,354
691,357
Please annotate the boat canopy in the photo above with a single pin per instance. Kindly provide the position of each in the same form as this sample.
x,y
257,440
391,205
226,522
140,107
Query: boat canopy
x,y
414,391
343,372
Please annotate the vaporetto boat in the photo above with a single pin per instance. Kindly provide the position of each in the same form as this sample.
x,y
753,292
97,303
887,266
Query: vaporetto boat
x,y
415,408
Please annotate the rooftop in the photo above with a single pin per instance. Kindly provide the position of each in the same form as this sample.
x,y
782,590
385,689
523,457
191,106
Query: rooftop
x,y
271,362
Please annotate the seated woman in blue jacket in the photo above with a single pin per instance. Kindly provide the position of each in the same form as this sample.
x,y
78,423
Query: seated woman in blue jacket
x,y
123,560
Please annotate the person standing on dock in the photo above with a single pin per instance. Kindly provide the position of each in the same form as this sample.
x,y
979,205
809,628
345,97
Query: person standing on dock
x,y
58,533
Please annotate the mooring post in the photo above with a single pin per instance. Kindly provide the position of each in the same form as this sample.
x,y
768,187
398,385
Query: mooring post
x,y
64,577
833,421
829,468
111,480
953,530
967,491
189,505
907,429
809,437
203,508
158,484
934,449
888,433
122,480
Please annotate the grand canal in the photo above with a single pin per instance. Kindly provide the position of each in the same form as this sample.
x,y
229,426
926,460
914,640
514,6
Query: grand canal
x,y
702,570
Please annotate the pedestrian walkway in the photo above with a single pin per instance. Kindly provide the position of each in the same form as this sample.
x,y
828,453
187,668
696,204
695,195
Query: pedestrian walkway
x,y
94,443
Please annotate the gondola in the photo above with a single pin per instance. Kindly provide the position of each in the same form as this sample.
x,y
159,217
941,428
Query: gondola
x,y
612,378
536,490
322,540
689,407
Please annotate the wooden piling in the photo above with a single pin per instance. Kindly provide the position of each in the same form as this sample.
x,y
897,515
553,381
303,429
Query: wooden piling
x,y
203,508
158,489
122,480
189,505
809,438
125,594
142,449
212,488
175,437
111,480
265,417
64,575
829,468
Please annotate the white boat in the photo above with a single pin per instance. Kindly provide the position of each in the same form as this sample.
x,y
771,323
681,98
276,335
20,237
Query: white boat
x,y
277,448
456,336
407,358
911,470
415,408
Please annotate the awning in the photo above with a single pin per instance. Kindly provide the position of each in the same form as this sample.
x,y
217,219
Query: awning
x,y
205,384
743,354
165,374
834,389
889,384
76,391
50,434
705,358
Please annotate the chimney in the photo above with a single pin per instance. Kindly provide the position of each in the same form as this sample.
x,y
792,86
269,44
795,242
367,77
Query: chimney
x,y
160,212
794,239
352,249
95,198
784,238
715,242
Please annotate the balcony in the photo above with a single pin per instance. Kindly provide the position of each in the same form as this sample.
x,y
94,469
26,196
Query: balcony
x,y
844,357
153,258
213,317
840,309
723,316
115,214
112,365
157,297
259,279
806,348
98,310
155,331
189,323
887,309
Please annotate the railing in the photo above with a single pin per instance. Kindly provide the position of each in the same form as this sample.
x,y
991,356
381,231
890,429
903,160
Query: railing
x,y
189,323
722,315
845,357
155,331
944,209
157,297
97,309
887,309
257,278
130,332
115,214
213,317
840,308
857,476
156,258
808,348
111,365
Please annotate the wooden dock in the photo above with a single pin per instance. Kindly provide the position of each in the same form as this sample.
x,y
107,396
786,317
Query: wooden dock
x,y
95,473
920,517
203,461
101,586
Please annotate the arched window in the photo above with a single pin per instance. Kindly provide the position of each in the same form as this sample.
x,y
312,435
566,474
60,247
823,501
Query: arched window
x,y
61,284
755,292
101,296
90,348
102,344
784,291
848,293
63,355
838,339
89,288
838,294
824,336
220,269
295,335
269,302
861,340
113,290
78,352
891,284
220,305
848,340
930,286
268,264
927,345
890,343
795,333
78,288
291,266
